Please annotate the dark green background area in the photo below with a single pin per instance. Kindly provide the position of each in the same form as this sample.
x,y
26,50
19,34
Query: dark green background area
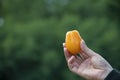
x,y
34,30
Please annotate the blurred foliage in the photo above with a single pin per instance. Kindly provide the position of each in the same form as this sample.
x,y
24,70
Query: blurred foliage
x,y
34,30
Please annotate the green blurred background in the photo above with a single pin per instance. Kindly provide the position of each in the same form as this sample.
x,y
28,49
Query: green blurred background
x,y
32,33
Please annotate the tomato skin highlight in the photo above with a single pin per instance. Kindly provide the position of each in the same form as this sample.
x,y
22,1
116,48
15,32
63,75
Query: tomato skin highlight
x,y
72,41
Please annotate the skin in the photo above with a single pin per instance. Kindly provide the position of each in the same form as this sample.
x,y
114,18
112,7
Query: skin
x,y
88,64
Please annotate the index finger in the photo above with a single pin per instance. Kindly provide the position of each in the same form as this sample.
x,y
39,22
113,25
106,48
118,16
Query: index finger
x,y
66,53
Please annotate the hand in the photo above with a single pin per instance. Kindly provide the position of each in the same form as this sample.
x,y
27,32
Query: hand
x,y
87,64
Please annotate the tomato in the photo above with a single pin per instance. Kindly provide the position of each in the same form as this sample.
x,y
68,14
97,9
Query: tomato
x,y
72,41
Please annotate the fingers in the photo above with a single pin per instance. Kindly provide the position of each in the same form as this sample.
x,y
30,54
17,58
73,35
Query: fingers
x,y
71,60
79,59
83,56
66,53
68,57
86,50
73,64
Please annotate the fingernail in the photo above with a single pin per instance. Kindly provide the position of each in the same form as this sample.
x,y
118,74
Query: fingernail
x,y
82,44
63,44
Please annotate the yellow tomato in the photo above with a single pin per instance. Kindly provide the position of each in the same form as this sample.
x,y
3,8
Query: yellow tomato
x,y
72,41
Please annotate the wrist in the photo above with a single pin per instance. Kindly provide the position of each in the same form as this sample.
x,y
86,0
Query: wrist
x,y
106,73
113,75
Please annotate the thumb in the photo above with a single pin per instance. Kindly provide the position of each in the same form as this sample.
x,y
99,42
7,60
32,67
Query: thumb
x,y
86,50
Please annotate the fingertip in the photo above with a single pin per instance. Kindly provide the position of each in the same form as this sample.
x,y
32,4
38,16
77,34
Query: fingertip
x,y
83,45
63,44
66,53
82,41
